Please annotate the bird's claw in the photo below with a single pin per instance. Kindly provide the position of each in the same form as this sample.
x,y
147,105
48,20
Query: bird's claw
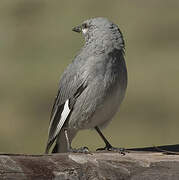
x,y
84,150
113,149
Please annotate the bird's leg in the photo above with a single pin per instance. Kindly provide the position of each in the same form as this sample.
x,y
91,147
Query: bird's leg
x,y
108,146
70,149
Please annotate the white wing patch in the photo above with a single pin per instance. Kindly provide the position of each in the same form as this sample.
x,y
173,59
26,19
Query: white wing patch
x,y
64,115
65,112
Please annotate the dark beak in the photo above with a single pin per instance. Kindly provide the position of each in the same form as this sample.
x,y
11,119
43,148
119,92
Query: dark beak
x,y
77,29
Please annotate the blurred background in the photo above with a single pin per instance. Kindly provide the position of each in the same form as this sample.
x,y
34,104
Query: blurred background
x,y
36,44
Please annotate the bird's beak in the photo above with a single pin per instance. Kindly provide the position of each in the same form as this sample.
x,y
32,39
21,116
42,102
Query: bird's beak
x,y
77,29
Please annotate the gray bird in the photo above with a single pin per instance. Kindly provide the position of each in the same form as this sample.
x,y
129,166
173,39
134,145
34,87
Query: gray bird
x,y
91,88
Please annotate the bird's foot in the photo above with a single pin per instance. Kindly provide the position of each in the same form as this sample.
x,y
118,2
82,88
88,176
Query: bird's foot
x,y
113,149
84,150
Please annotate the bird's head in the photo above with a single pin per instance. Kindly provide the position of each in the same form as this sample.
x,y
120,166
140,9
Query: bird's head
x,y
99,28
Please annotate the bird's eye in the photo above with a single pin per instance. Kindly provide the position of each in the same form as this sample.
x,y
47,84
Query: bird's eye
x,y
84,26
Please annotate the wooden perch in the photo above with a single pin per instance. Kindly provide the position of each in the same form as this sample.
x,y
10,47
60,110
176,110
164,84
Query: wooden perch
x,y
103,166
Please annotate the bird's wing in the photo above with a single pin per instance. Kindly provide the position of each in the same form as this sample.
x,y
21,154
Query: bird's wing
x,y
106,84
70,87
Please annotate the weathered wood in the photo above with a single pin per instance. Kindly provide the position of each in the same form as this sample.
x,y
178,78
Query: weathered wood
x,y
133,166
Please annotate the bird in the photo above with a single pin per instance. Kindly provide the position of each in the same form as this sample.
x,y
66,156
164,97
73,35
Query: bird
x,y
91,88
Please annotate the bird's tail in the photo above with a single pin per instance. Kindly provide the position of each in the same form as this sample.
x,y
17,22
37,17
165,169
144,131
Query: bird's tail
x,y
56,148
61,145
48,146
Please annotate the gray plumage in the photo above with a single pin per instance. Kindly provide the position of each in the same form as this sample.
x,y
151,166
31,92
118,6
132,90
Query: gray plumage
x,y
92,87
